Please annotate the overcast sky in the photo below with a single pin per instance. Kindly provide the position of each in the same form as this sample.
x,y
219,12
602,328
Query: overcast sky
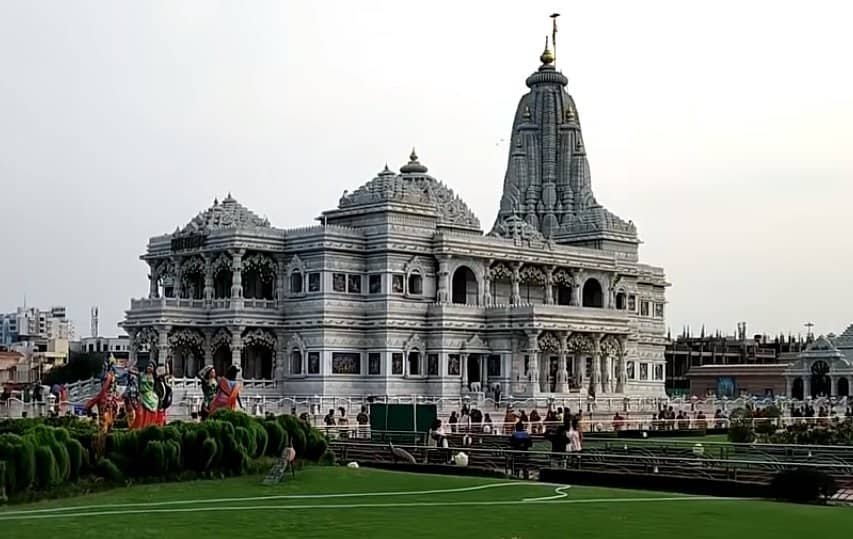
x,y
722,129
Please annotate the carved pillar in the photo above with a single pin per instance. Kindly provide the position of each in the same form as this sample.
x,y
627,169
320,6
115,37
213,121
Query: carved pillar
x,y
622,368
533,371
608,376
208,279
163,351
549,286
807,387
463,359
208,348
178,285
832,387
595,385
484,378
576,290
487,284
443,276
131,347
153,290
280,280
237,347
563,370
237,277
515,299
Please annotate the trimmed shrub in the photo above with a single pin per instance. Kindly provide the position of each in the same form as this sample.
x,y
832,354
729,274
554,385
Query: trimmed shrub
x,y
154,458
803,485
19,454
107,469
261,439
276,438
328,458
246,439
47,474
75,458
208,454
299,441
316,446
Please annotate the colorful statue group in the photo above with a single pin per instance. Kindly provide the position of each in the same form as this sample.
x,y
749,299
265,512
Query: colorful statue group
x,y
222,392
145,399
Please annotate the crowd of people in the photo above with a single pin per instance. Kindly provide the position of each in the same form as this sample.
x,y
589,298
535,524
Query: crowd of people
x,y
338,426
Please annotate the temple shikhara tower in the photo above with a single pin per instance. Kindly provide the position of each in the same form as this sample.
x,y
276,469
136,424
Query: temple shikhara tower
x,y
400,292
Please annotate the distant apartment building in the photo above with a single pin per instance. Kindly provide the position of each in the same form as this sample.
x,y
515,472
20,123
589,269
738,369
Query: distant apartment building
x,y
117,346
41,336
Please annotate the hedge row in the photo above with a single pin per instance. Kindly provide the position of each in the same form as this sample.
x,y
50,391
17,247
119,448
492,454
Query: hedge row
x,y
42,454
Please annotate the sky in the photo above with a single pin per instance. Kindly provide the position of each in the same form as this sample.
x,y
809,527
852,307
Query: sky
x,y
722,129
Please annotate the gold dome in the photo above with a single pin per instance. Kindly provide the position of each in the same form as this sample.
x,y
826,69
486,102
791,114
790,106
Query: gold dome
x,y
547,57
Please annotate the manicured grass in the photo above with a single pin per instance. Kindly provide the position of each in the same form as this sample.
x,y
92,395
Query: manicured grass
x,y
211,509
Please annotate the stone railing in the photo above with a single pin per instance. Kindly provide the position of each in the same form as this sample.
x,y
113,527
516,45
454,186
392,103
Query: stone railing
x,y
185,303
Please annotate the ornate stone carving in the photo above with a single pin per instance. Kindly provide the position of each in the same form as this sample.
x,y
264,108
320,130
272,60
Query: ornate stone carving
x,y
222,263
147,336
549,342
413,188
579,343
188,338
532,274
262,338
414,343
229,214
221,338
263,264
610,346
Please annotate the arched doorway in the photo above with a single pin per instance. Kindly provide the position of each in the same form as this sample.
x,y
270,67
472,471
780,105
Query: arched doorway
x,y
820,379
186,361
222,359
621,301
592,294
465,286
797,389
473,369
257,362
258,277
222,284
843,388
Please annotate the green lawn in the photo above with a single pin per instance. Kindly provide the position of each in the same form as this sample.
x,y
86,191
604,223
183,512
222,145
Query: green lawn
x,y
381,504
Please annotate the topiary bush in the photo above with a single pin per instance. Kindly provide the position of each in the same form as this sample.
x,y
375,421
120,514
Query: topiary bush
x,y
107,469
154,458
19,454
327,458
316,445
276,438
47,474
76,456
803,485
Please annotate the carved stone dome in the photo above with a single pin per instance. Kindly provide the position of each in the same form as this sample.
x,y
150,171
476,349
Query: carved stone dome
x,y
413,188
228,214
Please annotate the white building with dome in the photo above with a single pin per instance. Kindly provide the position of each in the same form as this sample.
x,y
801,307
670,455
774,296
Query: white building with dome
x,y
400,292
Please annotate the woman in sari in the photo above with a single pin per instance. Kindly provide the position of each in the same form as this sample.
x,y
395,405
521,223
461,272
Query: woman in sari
x,y
147,413
207,375
227,391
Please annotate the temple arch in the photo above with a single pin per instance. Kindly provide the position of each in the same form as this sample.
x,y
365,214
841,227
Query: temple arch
x,y
258,356
592,294
222,273
220,347
192,278
258,277
465,290
187,348
843,387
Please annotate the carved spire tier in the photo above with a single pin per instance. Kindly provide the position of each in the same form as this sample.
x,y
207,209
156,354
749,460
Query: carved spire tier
x,y
547,182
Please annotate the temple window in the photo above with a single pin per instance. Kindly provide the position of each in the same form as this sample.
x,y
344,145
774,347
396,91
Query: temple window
x,y
658,310
414,363
346,363
632,303
296,362
374,363
644,308
630,369
562,294
375,283
592,295
296,282
354,284
397,363
416,284
313,362
465,286
658,372
432,365
397,281
621,301
313,282
644,371
339,282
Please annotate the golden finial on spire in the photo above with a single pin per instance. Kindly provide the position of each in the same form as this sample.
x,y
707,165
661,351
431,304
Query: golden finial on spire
x,y
547,57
